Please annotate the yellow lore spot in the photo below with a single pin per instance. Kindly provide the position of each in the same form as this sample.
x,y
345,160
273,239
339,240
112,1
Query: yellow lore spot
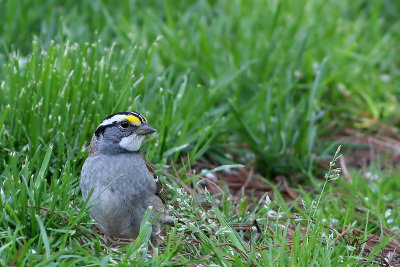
x,y
133,119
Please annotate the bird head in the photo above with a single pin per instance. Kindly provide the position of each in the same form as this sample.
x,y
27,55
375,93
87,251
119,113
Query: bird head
x,y
121,131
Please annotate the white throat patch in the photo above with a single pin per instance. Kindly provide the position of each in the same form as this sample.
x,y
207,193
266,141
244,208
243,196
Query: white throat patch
x,y
132,142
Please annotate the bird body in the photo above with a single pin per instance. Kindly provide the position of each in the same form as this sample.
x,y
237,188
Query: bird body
x,y
123,183
121,198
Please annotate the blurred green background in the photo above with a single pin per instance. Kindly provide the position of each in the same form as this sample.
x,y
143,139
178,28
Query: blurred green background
x,y
264,79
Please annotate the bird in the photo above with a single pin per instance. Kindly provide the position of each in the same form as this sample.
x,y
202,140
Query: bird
x,y
118,180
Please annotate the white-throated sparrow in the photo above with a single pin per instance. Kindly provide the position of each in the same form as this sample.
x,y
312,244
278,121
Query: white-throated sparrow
x,y
123,182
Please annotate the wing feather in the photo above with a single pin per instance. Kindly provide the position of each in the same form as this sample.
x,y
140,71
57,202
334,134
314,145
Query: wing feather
x,y
160,191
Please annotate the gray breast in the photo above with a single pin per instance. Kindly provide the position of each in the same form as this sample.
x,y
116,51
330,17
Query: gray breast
x,y
122,191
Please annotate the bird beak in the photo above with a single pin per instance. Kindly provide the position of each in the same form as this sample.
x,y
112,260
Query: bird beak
x,y
145,129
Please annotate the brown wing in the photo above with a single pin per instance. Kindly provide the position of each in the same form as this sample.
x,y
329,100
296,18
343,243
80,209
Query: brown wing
x,y
160,191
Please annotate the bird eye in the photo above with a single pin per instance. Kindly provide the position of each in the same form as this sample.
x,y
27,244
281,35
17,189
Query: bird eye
x,y
124,125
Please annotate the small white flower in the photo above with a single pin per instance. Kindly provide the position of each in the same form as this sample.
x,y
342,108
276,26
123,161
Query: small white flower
x,y
395,228
298,74
334,221
388,212
371,176
274,213
385,78
208,174
229,156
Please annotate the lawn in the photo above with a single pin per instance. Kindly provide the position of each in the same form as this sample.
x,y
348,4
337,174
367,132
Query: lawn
x,y
277,128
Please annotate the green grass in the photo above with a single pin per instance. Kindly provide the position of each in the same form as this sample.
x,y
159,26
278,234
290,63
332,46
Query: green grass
x,y
269,81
